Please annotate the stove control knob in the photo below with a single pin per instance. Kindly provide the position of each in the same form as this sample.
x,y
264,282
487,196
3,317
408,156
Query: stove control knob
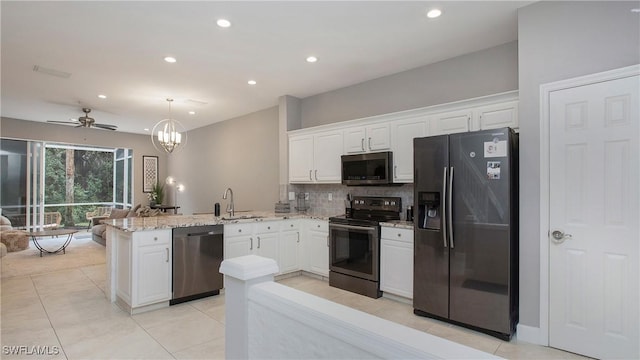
x,y
393,203
386,203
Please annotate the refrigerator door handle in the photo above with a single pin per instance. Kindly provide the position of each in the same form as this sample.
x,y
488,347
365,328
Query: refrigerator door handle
x,y
451,207
444,207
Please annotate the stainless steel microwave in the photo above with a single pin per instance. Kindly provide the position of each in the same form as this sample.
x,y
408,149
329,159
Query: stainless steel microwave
x,y
368,169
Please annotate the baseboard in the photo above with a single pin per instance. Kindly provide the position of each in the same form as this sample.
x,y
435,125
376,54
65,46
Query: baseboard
x,y
529,334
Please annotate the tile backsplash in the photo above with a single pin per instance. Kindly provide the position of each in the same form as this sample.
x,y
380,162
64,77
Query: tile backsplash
x,y
319,203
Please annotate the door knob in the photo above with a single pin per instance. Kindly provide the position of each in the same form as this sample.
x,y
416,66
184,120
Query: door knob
x,y
558,236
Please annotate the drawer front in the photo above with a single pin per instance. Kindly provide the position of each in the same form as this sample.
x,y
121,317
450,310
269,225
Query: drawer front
x,y
289,225
153,237
397,234
317,225
238,229
267,227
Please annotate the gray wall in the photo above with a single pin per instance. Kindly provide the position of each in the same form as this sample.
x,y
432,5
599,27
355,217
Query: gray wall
x,y
241,153
141,144
485,72
559,40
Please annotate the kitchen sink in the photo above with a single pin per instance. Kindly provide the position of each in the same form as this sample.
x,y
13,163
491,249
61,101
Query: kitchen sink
x,y
242,217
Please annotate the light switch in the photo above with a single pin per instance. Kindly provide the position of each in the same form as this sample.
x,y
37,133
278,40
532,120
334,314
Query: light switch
x,y
330,196
306,196
292,195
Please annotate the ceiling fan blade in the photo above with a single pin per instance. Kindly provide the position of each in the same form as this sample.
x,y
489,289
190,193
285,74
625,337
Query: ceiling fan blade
x,y
63,122
105,126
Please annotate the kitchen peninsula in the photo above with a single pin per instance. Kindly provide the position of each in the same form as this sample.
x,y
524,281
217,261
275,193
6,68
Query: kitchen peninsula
x,y
139,250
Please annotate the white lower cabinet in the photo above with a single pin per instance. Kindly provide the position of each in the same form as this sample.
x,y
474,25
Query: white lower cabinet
x,y
289,246
317,247
396,261
144,267
265,239
238,240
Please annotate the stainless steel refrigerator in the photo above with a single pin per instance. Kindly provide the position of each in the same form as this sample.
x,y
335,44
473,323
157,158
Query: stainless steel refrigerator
x,y
466,230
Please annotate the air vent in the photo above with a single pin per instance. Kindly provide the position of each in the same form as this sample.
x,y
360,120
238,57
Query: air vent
x,y
197,102
52,72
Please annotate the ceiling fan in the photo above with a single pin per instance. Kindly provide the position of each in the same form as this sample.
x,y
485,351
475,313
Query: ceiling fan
x,y
85,121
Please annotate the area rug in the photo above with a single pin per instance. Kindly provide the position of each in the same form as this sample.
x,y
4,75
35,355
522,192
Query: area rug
x,y
82,251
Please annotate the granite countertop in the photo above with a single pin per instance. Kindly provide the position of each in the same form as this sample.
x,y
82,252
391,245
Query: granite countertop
x,y
401,224
173,221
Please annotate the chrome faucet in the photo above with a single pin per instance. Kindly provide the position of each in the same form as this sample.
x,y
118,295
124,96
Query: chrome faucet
x,y
230,209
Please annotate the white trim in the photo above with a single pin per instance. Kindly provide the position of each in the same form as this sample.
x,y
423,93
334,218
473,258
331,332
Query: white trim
x,y
545,92
412,113
528,334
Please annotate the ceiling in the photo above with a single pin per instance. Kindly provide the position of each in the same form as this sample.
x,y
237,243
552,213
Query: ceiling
x,y
117,49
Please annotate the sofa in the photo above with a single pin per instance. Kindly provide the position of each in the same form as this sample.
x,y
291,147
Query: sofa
x,y
12,239
98,230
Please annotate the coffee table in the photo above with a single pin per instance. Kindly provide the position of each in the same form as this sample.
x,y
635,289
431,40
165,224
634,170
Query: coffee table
x,y
50,233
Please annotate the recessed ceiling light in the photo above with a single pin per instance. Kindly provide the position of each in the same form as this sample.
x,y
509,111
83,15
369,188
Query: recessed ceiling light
x,y
433,13
223,23
312,59
170,59
146,129
251,82
102,96
192,112
635,10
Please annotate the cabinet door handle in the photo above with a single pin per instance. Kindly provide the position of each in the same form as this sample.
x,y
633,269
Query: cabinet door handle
x,y
251,246
258,242
369,143
310,178
395,171
297,233
362,143
316,175
167,254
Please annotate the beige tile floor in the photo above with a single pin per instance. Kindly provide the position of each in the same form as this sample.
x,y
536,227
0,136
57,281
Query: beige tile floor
x,y
66,314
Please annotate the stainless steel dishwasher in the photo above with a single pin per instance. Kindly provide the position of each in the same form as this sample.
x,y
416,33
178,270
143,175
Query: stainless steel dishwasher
x,y
197,254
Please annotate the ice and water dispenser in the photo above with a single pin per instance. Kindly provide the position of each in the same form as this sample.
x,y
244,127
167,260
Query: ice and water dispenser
x,y
429,210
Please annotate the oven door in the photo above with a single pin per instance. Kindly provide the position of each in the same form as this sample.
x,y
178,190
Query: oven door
x,y
354,250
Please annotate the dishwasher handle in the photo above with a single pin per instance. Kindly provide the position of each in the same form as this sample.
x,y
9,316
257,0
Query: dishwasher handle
x,y
203,233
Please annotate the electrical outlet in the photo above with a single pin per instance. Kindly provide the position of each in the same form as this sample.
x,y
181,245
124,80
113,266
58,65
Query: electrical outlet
x,y
330,197
306,196
292,195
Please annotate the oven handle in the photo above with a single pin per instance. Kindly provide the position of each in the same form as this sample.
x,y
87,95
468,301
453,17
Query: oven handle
x,y
351,227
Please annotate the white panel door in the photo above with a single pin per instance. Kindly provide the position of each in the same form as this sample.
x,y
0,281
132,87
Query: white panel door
x,y
300,159
378,137
450,123
403,132
498,115
354,142
327,150
594,201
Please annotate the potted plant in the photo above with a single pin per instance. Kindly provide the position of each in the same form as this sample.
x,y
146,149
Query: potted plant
x,y
156,196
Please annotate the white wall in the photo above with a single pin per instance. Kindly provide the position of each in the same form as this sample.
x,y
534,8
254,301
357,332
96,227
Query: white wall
x,y
481,73
559,40
241,153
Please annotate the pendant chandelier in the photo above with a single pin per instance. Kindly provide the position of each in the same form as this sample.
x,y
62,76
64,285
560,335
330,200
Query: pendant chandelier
x,y
168,135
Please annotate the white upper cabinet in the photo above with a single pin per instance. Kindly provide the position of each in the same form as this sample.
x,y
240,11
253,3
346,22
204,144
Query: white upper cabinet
x,y
326,157
315,158
450,122
314,153
497,116
402,134
361,139
300,158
